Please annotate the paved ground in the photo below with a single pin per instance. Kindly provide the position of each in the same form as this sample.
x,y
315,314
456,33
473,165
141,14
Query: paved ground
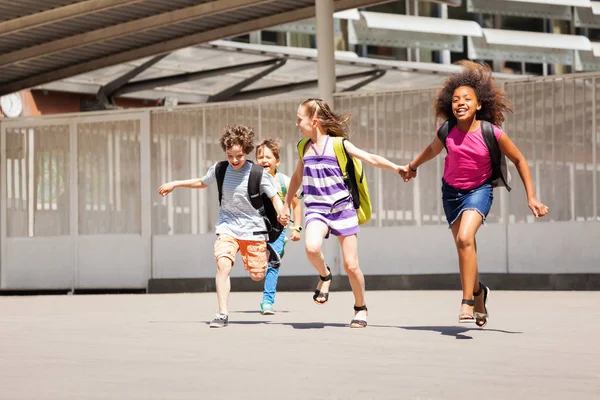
x,y
538,345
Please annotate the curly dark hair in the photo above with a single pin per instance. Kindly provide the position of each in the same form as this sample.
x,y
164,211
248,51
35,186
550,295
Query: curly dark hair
x,y
333,123
240,135
493,100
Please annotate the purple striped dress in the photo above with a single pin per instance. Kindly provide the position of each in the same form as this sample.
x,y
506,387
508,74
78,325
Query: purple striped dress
x,y
326,196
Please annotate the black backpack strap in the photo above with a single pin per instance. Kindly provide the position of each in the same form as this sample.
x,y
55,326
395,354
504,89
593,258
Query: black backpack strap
x,y
220,170
487,131
256,199
256,174
444,130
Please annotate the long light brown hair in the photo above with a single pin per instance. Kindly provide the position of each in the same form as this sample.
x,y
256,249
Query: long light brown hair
x,y
334,124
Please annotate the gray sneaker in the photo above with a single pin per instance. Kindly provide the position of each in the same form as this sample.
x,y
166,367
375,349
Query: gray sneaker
x,y
220,321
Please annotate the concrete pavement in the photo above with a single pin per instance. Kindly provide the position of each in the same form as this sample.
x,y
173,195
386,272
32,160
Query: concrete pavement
x,y
537,345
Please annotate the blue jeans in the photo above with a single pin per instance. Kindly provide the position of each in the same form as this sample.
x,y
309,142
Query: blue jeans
x,y
455,201
273,272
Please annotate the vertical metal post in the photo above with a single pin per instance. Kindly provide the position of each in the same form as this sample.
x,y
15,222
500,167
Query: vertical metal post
x,y
203,193
325,46
379,172
30,151
572,190
146,189
3,203
594,153
74,202
444,15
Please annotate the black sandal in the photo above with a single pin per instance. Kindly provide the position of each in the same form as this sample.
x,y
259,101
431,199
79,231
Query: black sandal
x,y
481,319
320,295
359,323
463,317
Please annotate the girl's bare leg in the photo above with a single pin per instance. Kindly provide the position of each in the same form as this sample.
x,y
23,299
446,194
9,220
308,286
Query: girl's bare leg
x,y
315,234
464,230
349,246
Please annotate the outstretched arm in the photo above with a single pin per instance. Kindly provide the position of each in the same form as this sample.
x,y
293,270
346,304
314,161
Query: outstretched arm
x,y
433,149
508,148
168,187
373,159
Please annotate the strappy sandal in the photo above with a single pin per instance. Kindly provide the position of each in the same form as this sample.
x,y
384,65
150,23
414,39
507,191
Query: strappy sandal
x,y
463,317
320,295
481,319
359,323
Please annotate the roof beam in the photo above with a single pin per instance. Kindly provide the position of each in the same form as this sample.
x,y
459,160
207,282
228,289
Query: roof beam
x,y
112,87
376,75
278,89
175,44
127,28
148,84
235,89
61,13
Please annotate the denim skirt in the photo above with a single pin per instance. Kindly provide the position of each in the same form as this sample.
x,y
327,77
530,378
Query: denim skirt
x,y
456,201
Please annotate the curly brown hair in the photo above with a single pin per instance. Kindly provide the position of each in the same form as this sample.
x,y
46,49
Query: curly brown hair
x,y
334,124
271,144
493,100
240,135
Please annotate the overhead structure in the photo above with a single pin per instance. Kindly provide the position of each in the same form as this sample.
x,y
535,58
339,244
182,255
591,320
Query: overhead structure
x,y
51,40
228,67
589,59
395,30
588,17
534,47
550,9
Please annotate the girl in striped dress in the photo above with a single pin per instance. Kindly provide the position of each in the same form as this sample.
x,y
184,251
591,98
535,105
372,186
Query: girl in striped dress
x,y
329,207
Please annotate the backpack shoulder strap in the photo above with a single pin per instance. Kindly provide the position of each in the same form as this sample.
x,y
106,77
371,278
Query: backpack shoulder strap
x,y
487,131
301,146
340,153
220,170
444,130
254,179
282,184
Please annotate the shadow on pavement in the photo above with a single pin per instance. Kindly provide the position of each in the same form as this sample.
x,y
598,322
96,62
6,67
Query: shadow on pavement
x,y
458,332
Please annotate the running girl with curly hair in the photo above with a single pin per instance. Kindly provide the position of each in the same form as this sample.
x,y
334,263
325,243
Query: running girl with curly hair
x,y
468,100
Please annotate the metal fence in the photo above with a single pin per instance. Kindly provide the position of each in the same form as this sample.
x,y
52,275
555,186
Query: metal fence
x,y
88,175
554,124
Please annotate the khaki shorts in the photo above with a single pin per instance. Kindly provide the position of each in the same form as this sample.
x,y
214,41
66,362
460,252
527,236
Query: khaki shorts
x,y
253,252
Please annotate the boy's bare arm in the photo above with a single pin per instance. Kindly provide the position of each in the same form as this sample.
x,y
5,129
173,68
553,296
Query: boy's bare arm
x,y
168,187
278,204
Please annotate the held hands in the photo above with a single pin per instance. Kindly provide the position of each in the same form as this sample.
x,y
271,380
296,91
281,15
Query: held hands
x,y
284,216
409,174
537,208
165,189
402,170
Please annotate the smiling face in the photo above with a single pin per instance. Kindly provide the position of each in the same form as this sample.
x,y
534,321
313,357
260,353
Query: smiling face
x,y
266,158
465,103
305,122
236,156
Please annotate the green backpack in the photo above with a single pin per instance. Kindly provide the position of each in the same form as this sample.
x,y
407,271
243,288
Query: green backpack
x,y
354,177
